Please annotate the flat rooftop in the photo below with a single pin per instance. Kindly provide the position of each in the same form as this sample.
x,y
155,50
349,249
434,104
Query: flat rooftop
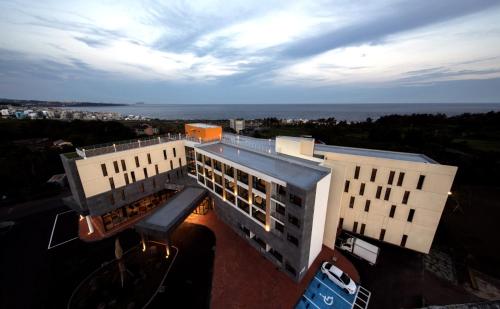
x,y
172,212
290,171
203,125
384,154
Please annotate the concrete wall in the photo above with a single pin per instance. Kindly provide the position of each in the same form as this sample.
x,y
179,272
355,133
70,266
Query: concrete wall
x,y
428,202
318,222
94,183
295,146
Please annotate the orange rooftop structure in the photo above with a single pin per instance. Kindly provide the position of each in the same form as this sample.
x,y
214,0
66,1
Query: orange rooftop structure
x,y
202,131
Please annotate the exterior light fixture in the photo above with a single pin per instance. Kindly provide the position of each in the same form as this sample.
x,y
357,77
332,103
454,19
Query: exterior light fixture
x,y
143,246
449,192
167,251
267,228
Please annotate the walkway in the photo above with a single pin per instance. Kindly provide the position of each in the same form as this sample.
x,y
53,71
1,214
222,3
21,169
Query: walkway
x,y
243,278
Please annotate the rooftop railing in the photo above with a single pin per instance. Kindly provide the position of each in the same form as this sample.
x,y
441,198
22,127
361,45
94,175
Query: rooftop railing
x,y
251,143
96,150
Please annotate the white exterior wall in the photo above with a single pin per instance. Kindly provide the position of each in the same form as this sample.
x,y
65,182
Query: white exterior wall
x,y
428,202
94,182
318,224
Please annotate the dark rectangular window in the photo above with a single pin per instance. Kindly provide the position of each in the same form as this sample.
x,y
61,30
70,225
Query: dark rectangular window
x,y
355,227
405,197
142,187
124,166
127,181
104,170
362,230
382,234
367,205
351,202
362,189
393,210
294,220
171,165
115,164
410,215
156,169
420,183
111,183
296,200
346,186
401,178
133,176
356,172
145,172
403,240
149,158
136,161
341,223
292,239
391,178
175,152
180,164
379,192
165,155
387,194
374,175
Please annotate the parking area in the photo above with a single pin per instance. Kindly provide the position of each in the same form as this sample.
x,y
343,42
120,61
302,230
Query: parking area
x,y
64,229
323,293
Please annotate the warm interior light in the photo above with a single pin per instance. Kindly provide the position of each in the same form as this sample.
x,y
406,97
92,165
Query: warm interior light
x,y
268,228
143,246
449,192
167,252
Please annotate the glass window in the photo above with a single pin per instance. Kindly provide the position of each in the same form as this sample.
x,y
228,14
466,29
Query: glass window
x,y
295,199
355,227
115,164
111,183
356,172
403,240
175,152
149,158
382,234
341,223
374,175
379,192
393,211
156,169
104,170
137,161
145,172
124,166
292,239
362,189
351,202
387,194
165,154
346,186
401,178
420,183
362,230
294,220
410,215
391,178
133,176
367,205
127,181
405,197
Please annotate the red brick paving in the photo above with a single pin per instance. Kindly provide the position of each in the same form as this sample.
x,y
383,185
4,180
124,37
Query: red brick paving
x,y
243,278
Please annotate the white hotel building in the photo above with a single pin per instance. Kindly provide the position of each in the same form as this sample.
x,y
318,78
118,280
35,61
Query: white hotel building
x,y
287,196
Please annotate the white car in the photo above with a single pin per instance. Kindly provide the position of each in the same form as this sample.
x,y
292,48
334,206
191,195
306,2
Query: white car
x,y
339,277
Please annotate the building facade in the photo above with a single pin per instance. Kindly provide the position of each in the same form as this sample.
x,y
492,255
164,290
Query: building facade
x,y
288,197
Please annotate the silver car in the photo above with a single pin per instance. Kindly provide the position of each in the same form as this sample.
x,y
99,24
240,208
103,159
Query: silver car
x,y
339,277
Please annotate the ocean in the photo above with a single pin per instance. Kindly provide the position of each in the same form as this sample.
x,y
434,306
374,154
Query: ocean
x,y
347,112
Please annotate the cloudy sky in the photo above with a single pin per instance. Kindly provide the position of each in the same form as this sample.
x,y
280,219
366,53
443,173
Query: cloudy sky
x,y
314,51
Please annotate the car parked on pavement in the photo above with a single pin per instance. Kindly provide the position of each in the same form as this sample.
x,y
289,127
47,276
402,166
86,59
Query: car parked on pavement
x,y
338,277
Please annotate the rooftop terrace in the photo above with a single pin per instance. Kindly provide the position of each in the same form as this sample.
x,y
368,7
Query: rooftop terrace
x,y
288,170
393,155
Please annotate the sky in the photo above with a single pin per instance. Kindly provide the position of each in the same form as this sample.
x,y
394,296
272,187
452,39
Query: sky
x,y
256,52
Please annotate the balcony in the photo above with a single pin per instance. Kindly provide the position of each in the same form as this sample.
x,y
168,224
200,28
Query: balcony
x,y
243,193
243,206
260,185
229,171
259,202
259,216
242,177
229,185
218,166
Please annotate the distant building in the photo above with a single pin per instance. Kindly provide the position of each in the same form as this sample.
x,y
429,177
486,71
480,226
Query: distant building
x,y
20,115
146,129
237,125
5,113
